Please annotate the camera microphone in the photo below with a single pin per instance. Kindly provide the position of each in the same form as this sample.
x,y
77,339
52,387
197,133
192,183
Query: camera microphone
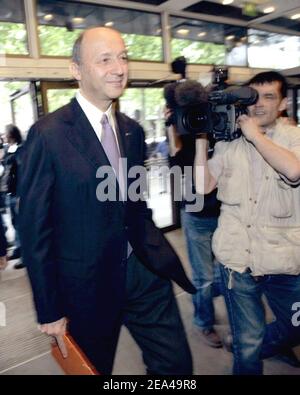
x,y
190,92
243,95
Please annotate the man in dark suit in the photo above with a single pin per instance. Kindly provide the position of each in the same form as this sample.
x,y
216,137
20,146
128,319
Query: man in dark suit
x,y
99,263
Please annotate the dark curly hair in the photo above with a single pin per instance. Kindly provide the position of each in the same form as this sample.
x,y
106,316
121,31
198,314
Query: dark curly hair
x,y
13,133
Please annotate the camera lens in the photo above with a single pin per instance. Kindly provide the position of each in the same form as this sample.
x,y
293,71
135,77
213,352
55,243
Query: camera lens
x,y
195,119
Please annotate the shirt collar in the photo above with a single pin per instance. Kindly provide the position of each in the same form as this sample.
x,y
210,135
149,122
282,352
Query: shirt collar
x,y
12,148
93,113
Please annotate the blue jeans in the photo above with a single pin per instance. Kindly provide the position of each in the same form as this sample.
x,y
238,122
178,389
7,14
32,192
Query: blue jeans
x,y
14,219
206,278
253,340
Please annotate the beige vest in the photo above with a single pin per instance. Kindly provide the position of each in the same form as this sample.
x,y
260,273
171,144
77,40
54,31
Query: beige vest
x,y
261,233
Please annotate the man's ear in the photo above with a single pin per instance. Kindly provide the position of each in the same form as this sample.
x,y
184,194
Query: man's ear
x,y
283,104
75,71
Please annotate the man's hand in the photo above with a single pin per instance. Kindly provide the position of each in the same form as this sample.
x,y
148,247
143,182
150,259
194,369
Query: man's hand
x,y
3,262
249,127
57,329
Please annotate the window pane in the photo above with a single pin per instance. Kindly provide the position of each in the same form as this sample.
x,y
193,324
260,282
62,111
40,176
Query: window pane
x,y
61,22
57,98
24,113
208,43
13,37
146,106
271,50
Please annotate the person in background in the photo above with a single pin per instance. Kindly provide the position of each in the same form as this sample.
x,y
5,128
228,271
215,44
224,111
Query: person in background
x,y
12,163
258,233
3,246
198,228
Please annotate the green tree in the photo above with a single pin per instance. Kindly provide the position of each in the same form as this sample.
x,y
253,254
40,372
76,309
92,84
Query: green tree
x,y
13,38
144,47
198,52
59,97
57,41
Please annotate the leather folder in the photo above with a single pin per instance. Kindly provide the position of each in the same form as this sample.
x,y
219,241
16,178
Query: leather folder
x,y
76,362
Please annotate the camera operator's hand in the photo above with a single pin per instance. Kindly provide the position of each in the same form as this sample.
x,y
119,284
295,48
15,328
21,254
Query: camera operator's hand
x,y
249,127
201,136
167,113
175,143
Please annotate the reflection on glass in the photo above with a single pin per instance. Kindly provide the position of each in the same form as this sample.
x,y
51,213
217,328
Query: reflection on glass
x,y
146,107
208,43
61,22
272,50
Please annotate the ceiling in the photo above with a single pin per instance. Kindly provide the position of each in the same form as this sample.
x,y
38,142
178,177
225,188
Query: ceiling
x,y
249,11
243,12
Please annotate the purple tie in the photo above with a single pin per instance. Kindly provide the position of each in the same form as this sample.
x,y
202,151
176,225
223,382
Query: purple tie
x,y
109,144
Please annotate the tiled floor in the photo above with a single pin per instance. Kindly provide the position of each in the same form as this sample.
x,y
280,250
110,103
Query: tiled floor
x,y
208,361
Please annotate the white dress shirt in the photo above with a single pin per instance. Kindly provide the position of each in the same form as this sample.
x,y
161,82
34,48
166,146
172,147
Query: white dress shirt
x,y
94,115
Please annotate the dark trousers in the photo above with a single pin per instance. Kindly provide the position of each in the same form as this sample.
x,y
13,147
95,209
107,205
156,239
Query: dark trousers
x,y
3,242
151,315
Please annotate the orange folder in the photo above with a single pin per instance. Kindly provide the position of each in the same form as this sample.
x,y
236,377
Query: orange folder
x,y
76,362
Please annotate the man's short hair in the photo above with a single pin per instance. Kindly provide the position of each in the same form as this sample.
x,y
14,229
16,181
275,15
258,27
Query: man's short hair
x,y
76,52
268,77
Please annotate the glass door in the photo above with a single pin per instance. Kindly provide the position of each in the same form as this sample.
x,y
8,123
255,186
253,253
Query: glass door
x,y
146,105
18,104
57,94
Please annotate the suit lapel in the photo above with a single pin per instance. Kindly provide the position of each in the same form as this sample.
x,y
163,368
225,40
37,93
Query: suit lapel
x,y
121,133
125,134
83,137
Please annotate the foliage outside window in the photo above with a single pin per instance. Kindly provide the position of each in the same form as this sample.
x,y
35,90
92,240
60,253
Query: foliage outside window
x,y
208,43
13,35
13,38
61,22
57,98
57,41
198,52
143,47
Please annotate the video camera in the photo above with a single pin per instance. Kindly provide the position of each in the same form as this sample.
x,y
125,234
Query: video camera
x,y
195,110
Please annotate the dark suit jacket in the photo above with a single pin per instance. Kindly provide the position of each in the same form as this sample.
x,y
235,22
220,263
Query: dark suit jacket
x,y
75,247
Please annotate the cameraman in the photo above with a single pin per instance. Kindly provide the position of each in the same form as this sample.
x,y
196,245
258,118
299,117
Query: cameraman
x,y
198,228
257,239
